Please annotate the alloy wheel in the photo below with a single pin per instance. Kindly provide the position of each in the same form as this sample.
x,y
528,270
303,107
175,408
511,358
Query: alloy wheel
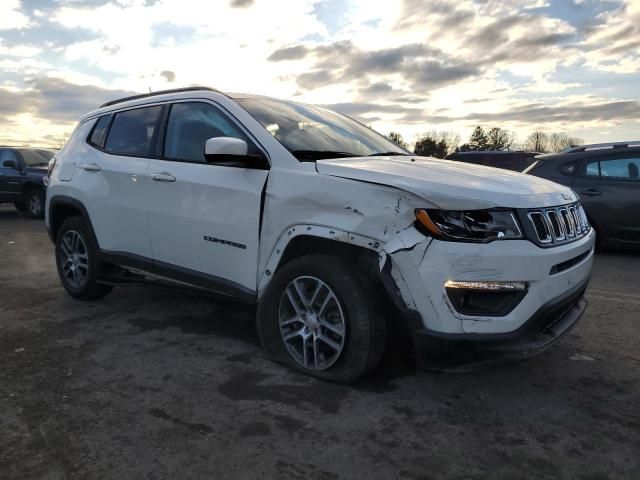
x,y
35,205
74,259
312,323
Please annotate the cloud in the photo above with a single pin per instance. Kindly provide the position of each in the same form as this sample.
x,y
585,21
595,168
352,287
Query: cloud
x,y
376,89
612,43
571,112
241,3
55,100
369,112
419,64
168,75
11,15
400,64
289,53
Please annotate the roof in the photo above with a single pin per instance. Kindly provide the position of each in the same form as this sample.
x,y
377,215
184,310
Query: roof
x,y
493,152
159,92
586,153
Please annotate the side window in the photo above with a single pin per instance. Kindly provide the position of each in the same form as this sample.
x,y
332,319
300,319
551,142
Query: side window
x,y
508,162
7,155
525,162
593,168
132,132
569,168
486,160
622,168
99,131
191,124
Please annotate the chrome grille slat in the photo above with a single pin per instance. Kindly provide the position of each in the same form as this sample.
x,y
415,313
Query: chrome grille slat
x,y
574,211
541,226
559,224
556,223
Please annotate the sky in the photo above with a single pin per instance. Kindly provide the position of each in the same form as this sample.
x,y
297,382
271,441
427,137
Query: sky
x,y
410,66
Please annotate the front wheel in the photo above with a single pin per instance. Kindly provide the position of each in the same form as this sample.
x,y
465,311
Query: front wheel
x,y
320,315
76,259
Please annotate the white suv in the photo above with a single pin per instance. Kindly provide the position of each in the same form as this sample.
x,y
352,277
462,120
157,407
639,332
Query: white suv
x,y
338,234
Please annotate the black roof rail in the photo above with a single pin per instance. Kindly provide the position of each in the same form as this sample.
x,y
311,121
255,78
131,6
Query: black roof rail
x,y
596,146
159,92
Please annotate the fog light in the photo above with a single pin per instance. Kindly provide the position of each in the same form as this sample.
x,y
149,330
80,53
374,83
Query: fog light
x,y
489,299
487,285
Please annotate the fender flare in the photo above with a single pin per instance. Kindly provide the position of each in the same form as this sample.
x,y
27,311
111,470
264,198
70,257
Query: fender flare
x,y
63,200
310,230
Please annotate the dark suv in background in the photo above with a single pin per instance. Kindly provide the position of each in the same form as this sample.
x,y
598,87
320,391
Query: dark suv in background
x,y
607,178
516,161
22,171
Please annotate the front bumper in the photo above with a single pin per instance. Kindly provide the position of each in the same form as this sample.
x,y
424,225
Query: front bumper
x,y
549,324
556,279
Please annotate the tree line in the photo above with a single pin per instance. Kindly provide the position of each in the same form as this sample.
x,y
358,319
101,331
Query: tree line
x,y
439,144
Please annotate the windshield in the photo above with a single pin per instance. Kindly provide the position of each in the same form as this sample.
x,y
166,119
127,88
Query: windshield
x,y
313,133
35,158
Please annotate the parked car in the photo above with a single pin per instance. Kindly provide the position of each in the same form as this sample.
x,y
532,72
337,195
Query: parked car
x,y
606,177
322,222
515,161
22,172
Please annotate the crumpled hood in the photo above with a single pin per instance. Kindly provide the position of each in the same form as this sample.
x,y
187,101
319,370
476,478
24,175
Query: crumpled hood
x,y
452,185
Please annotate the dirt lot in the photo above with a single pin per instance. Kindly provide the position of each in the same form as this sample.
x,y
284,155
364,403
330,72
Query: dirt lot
x,y
155,384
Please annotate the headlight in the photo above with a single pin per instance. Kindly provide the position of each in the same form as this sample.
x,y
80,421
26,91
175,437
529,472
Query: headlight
x,y
470,226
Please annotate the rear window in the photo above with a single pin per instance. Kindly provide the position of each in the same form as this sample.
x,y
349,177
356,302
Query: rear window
x,y
35,158
532,166
133,131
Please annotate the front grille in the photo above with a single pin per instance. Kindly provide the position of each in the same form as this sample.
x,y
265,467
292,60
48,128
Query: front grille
x,y
557,225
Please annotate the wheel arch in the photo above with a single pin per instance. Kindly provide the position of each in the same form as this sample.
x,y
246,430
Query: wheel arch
x,y
298,240
62,207
31,185
365,252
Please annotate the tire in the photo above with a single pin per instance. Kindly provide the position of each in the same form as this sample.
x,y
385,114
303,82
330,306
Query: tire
x,y
76,259
353,313
34,203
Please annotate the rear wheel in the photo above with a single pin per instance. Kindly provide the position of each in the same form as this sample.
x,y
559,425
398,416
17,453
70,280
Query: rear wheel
x,y
76,259
320,315
34,203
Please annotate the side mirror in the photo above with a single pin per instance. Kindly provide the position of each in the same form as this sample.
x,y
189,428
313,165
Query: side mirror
x,y
10,164
225,146
232,152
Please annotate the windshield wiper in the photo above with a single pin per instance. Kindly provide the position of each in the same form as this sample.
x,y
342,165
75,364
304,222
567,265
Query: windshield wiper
x,y
320,154
389,154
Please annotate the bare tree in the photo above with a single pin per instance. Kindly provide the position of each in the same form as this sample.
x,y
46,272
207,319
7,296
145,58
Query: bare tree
x,y
561,141
452,139
537,142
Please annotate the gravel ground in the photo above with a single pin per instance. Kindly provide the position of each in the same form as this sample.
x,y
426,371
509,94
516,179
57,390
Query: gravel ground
x,y
150,383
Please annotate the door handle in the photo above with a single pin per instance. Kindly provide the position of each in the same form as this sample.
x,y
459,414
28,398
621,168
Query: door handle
x,y
91,167
591,192
163,177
